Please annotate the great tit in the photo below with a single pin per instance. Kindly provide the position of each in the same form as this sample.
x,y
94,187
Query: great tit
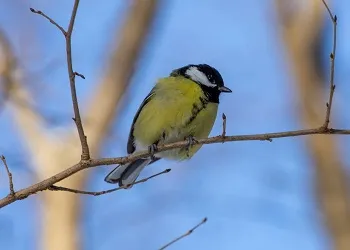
x,y
181,106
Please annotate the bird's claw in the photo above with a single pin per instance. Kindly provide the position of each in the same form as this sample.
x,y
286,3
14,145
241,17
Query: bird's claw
x,y
191,141
152,149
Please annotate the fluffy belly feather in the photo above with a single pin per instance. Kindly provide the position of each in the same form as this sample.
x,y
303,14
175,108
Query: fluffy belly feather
x,y
199,128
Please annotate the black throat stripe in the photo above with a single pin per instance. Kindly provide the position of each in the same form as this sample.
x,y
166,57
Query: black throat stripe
x,y
196,110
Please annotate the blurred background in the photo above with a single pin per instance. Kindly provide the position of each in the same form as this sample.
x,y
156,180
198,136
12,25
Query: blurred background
x,y
288,194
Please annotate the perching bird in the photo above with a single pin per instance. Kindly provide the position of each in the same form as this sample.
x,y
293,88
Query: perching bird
x,y
181,106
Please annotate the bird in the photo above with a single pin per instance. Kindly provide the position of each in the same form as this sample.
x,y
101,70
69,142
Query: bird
x,y
181,106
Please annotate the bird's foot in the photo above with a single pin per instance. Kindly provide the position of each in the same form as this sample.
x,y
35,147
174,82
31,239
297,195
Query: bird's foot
x,y
152,150
191,141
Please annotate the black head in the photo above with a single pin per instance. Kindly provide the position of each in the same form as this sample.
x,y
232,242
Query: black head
x,y
207,77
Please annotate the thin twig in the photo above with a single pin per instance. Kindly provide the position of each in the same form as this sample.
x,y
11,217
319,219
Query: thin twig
x,y
329,11
332,58
9,174
83,140
223,125
50,20
185,234
65,189
85,155
45,184
80,75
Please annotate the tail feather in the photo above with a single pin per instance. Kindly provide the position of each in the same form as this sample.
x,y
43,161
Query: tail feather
x,y
114,176
127,174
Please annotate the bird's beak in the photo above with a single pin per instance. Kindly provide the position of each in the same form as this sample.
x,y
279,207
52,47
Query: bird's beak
x,y
225,89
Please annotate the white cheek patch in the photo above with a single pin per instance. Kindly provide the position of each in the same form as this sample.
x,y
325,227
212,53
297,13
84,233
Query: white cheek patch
x,y
199,76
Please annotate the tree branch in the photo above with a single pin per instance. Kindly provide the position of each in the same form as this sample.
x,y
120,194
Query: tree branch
x,y
45,184
185,234
9,174
332,57
223,125
49,19
77,118
85,155
98,193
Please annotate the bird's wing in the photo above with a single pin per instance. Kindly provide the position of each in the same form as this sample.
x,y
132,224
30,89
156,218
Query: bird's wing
x,y
131,145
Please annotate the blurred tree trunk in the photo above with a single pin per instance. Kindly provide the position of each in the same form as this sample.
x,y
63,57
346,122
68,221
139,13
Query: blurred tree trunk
x,y
61,211
302,27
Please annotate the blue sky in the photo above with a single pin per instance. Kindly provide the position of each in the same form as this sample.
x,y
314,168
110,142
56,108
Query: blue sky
x,y
256,195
